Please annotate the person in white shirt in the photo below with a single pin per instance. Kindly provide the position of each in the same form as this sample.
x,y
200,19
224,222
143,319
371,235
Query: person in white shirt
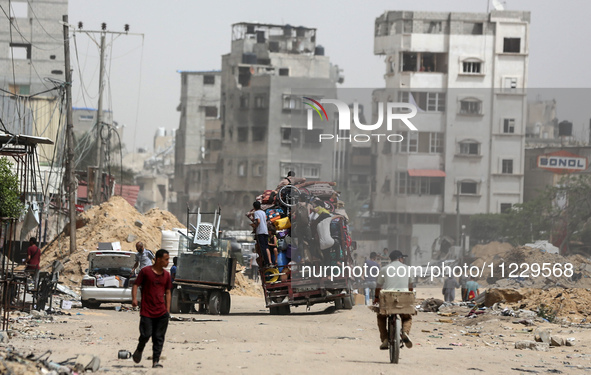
x,y
259,224
389,279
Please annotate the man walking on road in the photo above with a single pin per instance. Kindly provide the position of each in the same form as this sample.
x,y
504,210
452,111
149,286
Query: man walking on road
x,y
390,280
155,310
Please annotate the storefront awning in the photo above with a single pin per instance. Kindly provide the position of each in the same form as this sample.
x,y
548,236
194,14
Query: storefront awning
x,y
426,173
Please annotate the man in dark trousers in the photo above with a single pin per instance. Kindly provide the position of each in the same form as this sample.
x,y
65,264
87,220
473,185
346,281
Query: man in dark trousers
x,y
259,224
155,309
33,260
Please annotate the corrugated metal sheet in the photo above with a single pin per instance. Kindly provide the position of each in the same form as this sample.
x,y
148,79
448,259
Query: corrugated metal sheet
x,y
129,193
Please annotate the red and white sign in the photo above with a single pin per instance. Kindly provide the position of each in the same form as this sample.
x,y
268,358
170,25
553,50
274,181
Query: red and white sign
x,y
562,162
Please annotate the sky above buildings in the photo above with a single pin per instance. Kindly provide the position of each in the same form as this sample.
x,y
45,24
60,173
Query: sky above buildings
x,y
143,88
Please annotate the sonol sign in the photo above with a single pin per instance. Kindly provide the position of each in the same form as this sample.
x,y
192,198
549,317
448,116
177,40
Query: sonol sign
x,y
562,162
387,112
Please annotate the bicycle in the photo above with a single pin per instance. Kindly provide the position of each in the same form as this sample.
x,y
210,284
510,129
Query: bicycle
x,y
394,325
392,304
289,195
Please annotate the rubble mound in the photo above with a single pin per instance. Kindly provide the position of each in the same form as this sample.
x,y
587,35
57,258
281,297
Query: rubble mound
x,y
431,305
501,295
112,221
571,304
498,254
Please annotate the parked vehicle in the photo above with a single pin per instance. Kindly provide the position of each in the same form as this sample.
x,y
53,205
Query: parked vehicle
x,y
107,278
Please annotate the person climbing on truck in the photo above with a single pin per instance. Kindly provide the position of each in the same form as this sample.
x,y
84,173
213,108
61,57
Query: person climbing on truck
x,y
259,224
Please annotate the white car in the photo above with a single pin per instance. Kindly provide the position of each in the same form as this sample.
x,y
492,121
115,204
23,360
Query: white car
x,y
108,278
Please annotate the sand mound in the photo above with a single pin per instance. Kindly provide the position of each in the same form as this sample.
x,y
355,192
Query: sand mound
x,y
243,286
112,221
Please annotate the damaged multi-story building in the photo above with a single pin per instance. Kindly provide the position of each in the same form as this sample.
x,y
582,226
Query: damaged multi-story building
x,y
467,74
265,75
197,168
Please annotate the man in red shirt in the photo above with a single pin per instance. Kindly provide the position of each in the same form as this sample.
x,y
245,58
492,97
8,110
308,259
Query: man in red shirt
x,y
33,260
155,310
33,255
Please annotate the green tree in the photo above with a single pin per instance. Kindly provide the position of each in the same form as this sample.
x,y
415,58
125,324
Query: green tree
x,y
558,212
485,228
10,203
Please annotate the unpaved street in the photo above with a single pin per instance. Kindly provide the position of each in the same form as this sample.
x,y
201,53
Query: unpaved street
x,y
250,341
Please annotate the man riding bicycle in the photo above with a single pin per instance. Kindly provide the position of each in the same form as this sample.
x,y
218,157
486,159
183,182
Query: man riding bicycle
x,y
389,279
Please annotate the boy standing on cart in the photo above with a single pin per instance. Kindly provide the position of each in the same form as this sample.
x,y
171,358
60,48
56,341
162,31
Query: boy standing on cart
x,y
389,279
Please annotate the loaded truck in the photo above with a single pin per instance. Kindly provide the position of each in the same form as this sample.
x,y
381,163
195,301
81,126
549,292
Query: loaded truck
x,y
206,267
312,234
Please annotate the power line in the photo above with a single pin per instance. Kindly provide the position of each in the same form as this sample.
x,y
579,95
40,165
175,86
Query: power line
x,y
82,87
139,92
40,24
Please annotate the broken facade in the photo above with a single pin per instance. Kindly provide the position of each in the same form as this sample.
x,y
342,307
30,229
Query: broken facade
x,y
466,73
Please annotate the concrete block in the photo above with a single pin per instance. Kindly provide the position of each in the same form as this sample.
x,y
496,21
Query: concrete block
x,y
557,341
528,344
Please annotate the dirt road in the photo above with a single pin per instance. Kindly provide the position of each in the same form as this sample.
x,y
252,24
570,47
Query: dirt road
x,y
250,341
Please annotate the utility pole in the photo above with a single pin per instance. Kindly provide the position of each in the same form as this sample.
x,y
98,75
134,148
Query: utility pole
x,y
70,140
98,178
100,142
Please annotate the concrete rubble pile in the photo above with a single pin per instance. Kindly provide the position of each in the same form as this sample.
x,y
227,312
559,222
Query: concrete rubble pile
x,y
498,254
17,363
28,327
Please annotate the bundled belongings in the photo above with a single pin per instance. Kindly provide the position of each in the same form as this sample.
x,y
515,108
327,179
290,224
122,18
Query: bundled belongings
x,y
306,217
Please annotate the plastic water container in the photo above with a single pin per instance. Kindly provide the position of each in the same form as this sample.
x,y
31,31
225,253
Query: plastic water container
x,y
170,241
281,260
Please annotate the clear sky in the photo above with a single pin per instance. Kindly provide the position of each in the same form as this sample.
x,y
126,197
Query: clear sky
x,y
144,86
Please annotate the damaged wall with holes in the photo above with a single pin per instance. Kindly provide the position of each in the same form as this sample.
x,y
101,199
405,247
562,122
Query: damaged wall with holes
x,y
34,45
198,142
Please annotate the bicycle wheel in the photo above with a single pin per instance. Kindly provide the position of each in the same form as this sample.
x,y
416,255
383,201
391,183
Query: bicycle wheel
x,y
289,195
394,329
